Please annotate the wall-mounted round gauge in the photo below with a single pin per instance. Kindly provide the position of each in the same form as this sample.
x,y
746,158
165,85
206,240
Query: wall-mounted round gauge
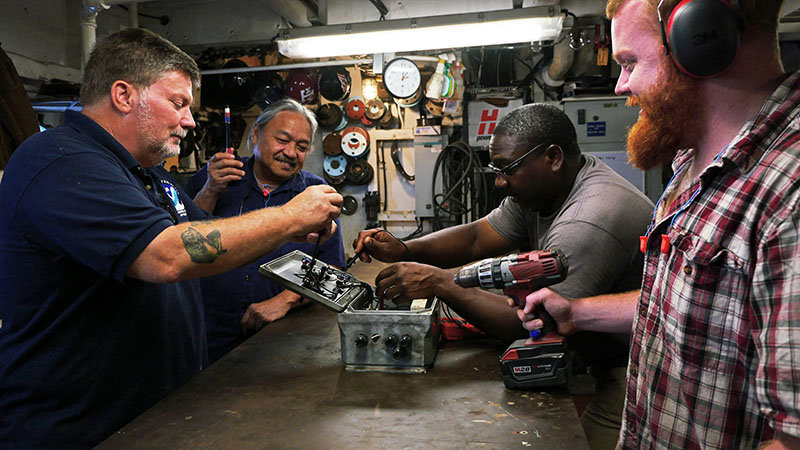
x,y
401,78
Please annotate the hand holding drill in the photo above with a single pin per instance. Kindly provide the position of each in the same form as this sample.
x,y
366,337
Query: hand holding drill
x,y
518,275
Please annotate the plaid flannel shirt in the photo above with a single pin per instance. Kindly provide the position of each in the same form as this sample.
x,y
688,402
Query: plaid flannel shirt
x,y
715,354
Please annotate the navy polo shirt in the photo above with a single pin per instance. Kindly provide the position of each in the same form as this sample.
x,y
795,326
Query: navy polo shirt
x,y
227,296
83,348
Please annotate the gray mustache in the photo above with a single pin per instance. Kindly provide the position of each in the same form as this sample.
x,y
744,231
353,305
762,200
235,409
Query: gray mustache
x,y
287,161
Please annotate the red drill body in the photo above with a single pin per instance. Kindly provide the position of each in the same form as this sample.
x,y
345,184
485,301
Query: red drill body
x,y
517,275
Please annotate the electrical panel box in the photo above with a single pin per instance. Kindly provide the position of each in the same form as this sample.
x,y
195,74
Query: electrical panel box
x,y
602,125
376,334
426,150
389,340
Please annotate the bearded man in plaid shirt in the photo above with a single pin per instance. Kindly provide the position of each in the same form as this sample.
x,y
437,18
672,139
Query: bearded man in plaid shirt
x,y
715,345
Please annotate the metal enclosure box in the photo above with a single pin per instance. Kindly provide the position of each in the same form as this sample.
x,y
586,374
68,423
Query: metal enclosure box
x,y
426,150
375,335
602,125
389,340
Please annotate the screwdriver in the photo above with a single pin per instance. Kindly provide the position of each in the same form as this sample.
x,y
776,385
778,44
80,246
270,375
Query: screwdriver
x,y
352,260
228,147
316,251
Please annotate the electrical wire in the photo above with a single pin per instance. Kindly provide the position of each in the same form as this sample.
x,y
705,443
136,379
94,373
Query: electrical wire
x,y
414,233
354,258
465,194
448,313
401,116
574,17
408,252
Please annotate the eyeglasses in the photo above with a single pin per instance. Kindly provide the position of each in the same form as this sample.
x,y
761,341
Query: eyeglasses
x,y
506,171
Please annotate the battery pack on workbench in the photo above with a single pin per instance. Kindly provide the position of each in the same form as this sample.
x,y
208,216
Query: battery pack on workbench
x,y
537,364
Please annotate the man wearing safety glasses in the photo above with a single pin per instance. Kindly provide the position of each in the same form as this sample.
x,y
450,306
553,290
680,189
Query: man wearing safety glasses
x,y
556,197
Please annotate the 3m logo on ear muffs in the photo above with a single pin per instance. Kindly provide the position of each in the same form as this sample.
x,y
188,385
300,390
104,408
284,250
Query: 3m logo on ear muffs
x,y
701,36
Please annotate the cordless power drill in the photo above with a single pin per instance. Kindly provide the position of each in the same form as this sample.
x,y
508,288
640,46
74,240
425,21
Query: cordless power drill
x,y
539,361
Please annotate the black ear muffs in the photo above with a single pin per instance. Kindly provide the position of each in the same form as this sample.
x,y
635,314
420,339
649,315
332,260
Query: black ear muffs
x,y
702,36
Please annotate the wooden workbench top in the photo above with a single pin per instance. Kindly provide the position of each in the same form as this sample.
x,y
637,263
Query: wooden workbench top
x,y
287,388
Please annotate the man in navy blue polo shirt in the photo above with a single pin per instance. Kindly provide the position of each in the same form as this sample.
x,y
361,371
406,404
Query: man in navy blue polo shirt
x,y
239,302
98,249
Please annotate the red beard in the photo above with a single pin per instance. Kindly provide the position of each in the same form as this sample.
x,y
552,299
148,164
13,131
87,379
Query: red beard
x,y
669,117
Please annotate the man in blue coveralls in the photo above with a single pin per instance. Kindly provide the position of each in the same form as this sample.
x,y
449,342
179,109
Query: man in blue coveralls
x,y
240,302
99,248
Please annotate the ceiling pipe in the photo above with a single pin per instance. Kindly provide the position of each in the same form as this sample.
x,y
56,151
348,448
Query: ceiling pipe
x,y
563,57
133,15
89,27
89,21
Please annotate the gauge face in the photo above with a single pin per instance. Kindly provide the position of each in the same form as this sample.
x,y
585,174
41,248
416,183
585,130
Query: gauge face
x,y
401,78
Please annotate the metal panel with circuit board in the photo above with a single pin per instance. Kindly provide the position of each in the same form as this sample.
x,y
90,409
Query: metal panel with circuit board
x,y
319,282
376,334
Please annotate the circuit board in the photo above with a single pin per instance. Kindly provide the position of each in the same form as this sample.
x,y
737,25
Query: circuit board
x,y
315,280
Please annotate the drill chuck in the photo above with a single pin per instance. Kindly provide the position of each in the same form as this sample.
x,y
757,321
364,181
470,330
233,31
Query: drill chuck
x,y
486,274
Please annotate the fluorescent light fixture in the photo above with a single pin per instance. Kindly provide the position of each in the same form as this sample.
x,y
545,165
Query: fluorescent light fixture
x,y
539,23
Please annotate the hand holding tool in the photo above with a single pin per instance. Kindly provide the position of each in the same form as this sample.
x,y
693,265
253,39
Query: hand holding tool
x,y
526,364
518,275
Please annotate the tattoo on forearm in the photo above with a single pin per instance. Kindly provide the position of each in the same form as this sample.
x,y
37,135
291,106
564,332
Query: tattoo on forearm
x,y
202,249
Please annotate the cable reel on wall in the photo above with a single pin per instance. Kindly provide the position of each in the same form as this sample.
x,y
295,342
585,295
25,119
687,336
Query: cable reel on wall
x,y
355,142
376,109
329,115
334,168
359,172
367,122
355,108
332,144
349,205
410,101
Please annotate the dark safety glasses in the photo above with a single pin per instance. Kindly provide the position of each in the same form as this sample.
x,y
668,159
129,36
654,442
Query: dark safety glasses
x,y
506,171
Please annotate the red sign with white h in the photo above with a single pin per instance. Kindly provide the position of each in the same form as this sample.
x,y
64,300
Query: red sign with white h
x,y
488,121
